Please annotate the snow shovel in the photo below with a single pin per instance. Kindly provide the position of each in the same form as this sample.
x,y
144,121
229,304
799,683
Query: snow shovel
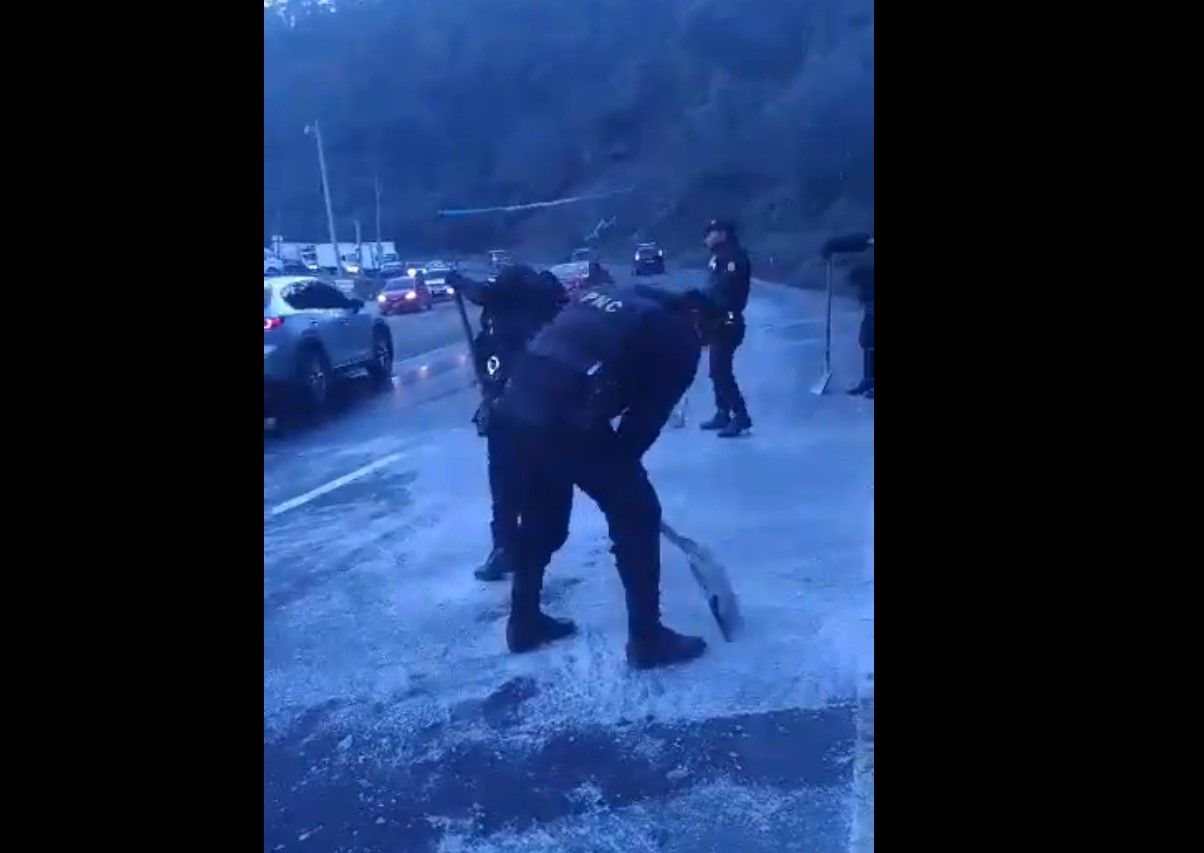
x,y
721,598
678,419
821,384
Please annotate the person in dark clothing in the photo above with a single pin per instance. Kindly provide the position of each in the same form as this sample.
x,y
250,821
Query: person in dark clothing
x,y
727,293
615,351
861,277
517,304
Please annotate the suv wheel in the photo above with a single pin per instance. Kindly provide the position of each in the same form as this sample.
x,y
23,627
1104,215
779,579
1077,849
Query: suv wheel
x,y
313,381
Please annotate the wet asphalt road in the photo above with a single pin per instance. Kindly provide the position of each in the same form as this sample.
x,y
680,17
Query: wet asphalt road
x,y
411,757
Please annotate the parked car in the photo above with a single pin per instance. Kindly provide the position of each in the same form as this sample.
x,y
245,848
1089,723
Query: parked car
x,y
390,265
582,274
312,336
404,295
649,260
499,259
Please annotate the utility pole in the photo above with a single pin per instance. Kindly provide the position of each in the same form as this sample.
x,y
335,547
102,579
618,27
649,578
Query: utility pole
x,y
376,179
334,241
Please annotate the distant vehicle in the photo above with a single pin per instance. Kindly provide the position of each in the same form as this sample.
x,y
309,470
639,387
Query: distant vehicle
x,y
649,260
436,274
583,254
390,265
309,257
293,254
345,286
499,259
272,265
582,274
404,295
348,262
312,334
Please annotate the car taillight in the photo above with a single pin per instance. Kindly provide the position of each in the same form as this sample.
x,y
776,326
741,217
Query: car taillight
x,y
270,323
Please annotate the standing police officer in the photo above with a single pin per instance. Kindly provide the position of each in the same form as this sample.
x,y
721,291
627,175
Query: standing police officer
x,y
515,305
727,292
615,351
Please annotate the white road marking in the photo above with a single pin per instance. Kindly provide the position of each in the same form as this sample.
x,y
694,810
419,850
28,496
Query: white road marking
x,y
338,483
424,357
836,315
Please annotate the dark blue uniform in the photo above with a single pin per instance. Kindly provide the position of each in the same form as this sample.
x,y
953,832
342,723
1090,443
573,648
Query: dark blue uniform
x,y
513,308
863,279
626,352
730,274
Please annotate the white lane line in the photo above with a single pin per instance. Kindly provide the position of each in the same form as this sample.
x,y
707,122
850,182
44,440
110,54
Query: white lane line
x,y
836,315
424,357
335,484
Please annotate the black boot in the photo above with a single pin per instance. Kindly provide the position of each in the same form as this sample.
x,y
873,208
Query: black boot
x,y
721,420
740,423
496,567
528,627
662,647
528,632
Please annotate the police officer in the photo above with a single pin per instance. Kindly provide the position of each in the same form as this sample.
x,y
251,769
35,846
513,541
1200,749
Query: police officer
x,y
615,351
727,292
861,277
514,306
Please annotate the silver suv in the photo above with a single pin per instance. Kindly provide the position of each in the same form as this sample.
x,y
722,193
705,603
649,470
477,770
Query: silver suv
x,y
311,334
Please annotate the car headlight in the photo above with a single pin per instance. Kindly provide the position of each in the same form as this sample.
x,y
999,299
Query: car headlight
x,y
637,257
411,272
660,253
451,290
411,294
381,299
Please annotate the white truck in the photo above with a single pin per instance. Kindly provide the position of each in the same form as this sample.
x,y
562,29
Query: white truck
x,y
297,257
353,259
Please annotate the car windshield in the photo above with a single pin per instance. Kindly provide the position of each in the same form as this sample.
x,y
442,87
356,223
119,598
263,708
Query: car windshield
x,y
399,286
646,252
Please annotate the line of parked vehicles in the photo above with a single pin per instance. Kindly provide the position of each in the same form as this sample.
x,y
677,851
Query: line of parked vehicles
x,y
315,331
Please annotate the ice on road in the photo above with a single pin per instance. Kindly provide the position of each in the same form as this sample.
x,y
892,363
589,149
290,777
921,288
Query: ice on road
x,y
395,719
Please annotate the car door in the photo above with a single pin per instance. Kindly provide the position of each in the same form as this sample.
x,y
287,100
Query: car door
x,y
317,317
359,325
338,326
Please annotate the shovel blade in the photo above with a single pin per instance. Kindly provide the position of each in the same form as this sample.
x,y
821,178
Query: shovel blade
x,y
712,579
821,384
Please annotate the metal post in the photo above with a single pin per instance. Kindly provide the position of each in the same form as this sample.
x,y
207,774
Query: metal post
x,y
828,324
376,179
334,241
